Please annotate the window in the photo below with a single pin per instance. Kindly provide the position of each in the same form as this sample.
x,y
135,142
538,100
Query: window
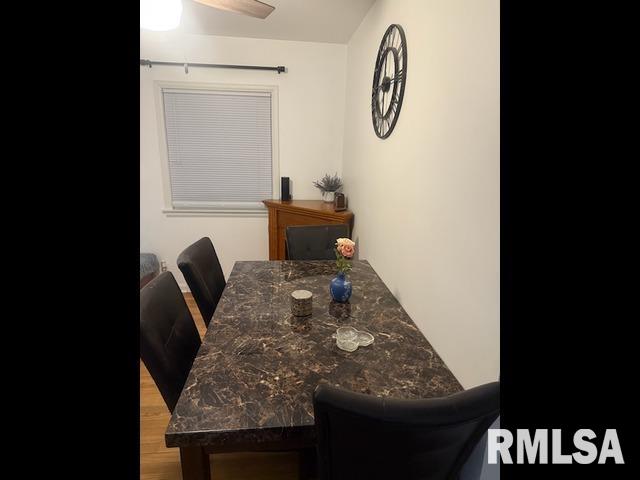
x,y
219,148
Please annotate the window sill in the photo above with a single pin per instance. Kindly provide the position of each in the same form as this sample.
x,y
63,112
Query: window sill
x,y
216,212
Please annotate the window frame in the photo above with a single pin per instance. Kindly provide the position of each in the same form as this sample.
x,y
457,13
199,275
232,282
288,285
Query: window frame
x,y
223,210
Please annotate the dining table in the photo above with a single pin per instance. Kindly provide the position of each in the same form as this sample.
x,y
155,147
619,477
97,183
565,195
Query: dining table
x,y
251,384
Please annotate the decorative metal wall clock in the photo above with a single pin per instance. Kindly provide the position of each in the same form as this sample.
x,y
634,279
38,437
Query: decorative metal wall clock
x,y
389,77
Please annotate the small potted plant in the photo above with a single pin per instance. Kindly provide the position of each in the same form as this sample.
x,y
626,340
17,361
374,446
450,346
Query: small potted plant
x,y
328,185
340,286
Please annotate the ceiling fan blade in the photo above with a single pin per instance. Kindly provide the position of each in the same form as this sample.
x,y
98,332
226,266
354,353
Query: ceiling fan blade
x,y
253,8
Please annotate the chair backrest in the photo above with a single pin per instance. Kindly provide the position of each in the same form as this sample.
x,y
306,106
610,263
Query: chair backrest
x,y
363,436
201,269
169,340
314,242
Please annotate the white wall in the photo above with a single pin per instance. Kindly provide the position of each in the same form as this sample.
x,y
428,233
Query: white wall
x,y
311,114
426,199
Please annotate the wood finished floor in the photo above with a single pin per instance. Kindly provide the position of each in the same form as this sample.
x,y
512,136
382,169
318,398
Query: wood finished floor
x,y
158,462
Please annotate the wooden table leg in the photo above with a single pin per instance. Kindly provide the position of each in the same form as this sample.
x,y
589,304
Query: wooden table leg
x,y
195,463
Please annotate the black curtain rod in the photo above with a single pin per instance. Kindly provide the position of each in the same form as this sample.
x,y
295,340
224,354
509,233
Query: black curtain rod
x,y
150,63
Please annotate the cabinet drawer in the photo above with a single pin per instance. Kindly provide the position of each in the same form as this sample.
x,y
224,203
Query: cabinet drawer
x,y
286,218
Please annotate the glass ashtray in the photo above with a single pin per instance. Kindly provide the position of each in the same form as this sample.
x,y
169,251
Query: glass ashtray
x,y
349,339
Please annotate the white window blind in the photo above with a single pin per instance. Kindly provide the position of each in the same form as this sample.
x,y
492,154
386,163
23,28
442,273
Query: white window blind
x,y
219,148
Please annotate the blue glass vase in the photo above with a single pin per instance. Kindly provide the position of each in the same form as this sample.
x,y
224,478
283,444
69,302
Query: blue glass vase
x,y
340,288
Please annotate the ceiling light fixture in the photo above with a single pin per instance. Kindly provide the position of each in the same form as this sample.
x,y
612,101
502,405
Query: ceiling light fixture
x,y
160,15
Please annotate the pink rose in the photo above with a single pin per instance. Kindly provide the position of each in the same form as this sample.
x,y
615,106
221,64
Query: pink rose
x,y
345,241
346,251
346,247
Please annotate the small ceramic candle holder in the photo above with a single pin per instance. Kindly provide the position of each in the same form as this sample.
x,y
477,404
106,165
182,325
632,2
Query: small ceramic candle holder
x,y
301,303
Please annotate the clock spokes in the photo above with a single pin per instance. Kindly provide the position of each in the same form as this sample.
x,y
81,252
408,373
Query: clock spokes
x,y
388,82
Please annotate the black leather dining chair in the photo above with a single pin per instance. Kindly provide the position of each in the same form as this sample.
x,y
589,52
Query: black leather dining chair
x,y
201,269
169,340
314,242
366,437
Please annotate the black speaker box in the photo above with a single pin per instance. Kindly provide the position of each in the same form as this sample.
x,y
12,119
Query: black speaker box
x,y
284,189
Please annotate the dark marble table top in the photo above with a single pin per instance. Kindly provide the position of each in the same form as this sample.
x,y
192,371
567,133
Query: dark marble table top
x,y
253,378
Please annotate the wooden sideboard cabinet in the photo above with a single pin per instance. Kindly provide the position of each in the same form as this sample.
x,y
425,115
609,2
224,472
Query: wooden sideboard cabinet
x,y
299,212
